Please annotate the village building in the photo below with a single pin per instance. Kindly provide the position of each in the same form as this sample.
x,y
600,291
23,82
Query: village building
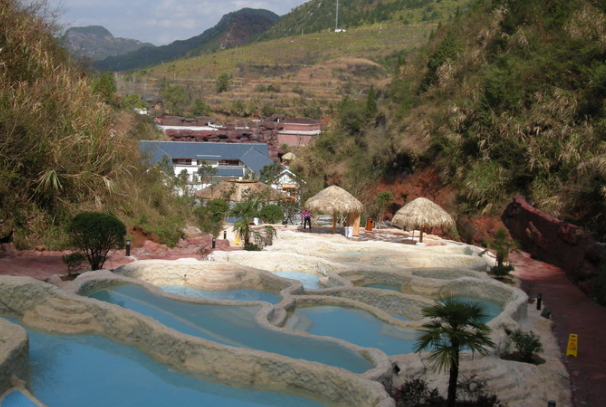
x,y
206,163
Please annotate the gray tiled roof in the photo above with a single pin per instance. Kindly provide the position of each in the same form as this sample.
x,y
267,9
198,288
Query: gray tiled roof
x,y
254,156
229,172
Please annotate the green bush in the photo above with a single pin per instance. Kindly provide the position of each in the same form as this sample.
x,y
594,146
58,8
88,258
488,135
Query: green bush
x,y
206,221
527,344
218,208
271,214
251,247
73,261
502,270
95,234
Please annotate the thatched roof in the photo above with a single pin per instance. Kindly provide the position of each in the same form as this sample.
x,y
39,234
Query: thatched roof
x,y
422,213
238,191
334,200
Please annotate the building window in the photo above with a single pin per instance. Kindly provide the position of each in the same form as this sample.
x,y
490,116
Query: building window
x,y
232,163
181,161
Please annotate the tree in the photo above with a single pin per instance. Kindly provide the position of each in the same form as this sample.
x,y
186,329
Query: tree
x,y
133,101
271,213
455,325
206,172
371,103
270,173
501,244
105,86
95,234
222,84
201,108
246,211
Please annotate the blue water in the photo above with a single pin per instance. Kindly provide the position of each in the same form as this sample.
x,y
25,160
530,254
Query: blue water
x,y
491,309
231,325
243,295
92,371
355,326
309,280
17,399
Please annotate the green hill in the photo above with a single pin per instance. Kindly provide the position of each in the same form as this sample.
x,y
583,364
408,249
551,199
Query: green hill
x,y
301,75
319,15
63,149
507,99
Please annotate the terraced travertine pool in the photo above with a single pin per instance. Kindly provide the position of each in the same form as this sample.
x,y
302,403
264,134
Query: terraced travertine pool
x,y
244,322
93,371
230,325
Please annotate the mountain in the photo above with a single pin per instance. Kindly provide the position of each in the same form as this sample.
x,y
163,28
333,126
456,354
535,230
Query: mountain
x,y
98,43
234,29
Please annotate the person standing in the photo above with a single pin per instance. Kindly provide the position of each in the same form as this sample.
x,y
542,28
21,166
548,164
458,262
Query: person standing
x,y
306,216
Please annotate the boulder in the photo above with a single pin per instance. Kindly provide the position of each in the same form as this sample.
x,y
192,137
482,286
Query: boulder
x,y
554,241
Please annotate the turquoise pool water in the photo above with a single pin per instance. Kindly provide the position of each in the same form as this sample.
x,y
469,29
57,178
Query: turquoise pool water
x,y
243,294
93,371
355,326
492,309
309,280
231,325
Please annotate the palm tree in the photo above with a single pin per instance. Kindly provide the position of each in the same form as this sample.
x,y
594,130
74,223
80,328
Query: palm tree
x,y
246,211
456,325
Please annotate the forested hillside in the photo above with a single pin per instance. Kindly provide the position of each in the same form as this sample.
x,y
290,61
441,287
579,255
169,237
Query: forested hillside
x,y
317,15
506,99
63,147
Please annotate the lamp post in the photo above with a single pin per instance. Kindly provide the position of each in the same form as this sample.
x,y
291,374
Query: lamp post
x,y
128,248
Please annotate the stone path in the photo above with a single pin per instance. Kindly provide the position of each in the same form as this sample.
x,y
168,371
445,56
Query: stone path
x,y
572,313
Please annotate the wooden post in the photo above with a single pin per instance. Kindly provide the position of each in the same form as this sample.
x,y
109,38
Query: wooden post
x,y
353,219
334,223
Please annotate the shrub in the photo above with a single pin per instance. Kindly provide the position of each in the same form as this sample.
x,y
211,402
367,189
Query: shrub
x,y
95,234
527,344
73,261
416,392
502,270
218,208
271,214
206,220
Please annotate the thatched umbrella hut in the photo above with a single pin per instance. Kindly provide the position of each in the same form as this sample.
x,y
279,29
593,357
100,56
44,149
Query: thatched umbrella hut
x,y
238,191
333,200
421,214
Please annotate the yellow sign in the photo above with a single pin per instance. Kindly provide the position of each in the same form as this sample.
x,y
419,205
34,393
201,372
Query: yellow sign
x,y
237,239
572,348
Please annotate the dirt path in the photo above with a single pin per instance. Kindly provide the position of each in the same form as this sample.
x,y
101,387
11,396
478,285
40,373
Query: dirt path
x,y
572,313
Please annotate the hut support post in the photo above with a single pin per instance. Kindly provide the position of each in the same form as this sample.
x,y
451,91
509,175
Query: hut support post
x,y
353,219
421,236
334,223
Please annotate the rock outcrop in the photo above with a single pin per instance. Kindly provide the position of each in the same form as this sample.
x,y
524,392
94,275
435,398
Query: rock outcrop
x,y
554,241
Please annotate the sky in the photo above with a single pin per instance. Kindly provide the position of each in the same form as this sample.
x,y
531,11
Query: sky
x,y
158,21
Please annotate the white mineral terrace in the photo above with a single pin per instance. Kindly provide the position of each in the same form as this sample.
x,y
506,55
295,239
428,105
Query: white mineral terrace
x,y
344,266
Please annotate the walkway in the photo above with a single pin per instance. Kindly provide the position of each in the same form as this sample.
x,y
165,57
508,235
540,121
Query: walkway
x,y
572,313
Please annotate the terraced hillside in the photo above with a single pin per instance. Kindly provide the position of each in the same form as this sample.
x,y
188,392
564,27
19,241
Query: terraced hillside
x,y
300,75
